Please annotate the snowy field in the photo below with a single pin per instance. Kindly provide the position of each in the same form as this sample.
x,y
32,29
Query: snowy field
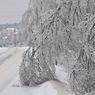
x,y
9,79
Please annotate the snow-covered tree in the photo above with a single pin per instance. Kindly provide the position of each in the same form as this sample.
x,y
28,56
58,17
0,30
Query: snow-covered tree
x,y
62,32
37,65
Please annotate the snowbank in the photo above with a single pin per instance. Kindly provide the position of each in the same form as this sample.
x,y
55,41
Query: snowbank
x,y
44,89
4,50
6,53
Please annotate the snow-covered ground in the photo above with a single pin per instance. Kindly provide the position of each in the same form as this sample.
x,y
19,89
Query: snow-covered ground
x,y
9,68
44,89
6,52
9,79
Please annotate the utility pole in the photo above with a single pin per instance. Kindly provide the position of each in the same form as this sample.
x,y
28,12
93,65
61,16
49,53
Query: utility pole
x,y
15,40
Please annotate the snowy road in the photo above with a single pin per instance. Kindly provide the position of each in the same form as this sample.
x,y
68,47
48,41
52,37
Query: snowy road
x,y
9,69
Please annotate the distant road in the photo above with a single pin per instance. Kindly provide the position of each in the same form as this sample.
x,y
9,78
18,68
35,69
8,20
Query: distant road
x,y
9,69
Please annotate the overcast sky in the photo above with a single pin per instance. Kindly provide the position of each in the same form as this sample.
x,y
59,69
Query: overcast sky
x,y
11,10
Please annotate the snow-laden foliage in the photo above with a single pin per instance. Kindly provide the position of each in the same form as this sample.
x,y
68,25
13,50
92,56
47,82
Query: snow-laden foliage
x,y
33,72
62,31
91,93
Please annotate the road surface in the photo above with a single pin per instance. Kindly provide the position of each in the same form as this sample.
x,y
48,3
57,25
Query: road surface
x,y
9,69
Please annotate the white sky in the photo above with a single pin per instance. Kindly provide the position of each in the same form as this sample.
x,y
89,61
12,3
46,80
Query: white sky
x,y
11,10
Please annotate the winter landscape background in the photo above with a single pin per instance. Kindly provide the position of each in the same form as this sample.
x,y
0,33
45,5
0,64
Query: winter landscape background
x,y
50,51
